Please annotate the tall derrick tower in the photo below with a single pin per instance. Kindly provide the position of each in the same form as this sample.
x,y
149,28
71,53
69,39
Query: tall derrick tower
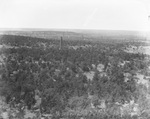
x,y
61,42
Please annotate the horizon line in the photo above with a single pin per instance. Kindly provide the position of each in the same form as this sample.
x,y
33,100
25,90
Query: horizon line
x,y
60,29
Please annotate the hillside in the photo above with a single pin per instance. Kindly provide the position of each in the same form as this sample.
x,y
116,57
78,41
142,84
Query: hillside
x,y
80,79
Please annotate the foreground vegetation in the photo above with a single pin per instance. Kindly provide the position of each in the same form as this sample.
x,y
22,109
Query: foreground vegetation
x,y
81,80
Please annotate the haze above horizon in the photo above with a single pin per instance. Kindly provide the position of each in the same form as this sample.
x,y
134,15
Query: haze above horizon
x,y
76,14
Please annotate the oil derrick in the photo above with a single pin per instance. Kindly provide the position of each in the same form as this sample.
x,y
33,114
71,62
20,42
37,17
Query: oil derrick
x,y
83,38
61,43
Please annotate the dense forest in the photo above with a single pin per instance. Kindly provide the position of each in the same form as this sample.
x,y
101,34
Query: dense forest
x,y
80,79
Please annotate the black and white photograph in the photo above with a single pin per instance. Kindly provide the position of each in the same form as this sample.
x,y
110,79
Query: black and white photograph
x,y
74,59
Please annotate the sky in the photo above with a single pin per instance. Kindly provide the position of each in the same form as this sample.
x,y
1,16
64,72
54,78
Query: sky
x,y
76,14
